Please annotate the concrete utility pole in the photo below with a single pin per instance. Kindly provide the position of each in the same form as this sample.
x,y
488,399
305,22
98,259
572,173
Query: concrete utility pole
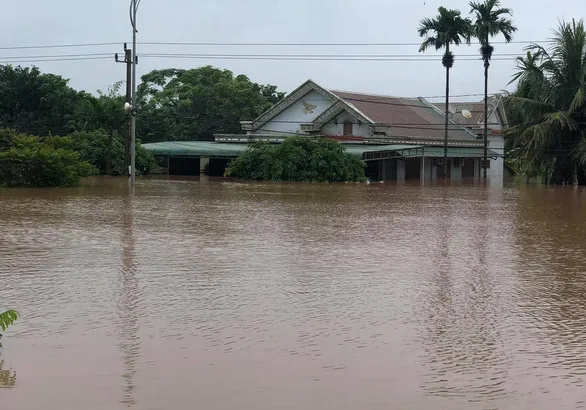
x,y
134,4
128,61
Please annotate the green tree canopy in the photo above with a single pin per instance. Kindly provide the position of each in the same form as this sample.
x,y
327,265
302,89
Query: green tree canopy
x,y
298,159
106,152
35,103
176,104
548,135
29,161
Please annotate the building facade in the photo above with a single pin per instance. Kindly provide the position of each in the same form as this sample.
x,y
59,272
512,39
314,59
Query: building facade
x,y
398,138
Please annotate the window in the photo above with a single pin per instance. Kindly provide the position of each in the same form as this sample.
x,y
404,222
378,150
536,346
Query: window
x,y
347,128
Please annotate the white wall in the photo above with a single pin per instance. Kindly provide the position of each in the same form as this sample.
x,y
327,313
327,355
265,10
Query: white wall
x,y
400,170
455,172
289,120
336,130
429,170
496,143
494,122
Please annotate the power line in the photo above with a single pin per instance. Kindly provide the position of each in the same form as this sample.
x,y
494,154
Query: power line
x,y
385,55
59,55
243,44
317,44
55,60
58,46
314,58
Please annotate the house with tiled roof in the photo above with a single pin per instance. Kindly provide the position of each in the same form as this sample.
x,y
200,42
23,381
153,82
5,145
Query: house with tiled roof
x,y
471,115
398,138
370,119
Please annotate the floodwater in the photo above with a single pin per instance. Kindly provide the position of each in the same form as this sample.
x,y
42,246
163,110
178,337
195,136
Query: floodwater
x,y
220,295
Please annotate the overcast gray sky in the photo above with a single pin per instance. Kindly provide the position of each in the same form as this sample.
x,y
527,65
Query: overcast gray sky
x,y
42,22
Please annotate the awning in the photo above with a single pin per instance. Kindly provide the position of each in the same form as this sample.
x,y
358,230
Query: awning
x,y
232,149
367,152
195,149
453,152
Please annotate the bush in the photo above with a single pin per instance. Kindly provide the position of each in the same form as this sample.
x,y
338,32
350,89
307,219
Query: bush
x,y
27,161
298,159
93,148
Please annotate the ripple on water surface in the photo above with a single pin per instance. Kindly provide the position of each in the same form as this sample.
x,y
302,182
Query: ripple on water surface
x,y
292,296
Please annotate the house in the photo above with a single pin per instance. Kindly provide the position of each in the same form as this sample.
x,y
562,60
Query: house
x,y
398,138
474,121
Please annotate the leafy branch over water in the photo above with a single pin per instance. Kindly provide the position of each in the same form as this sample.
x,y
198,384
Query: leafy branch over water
x,y
6,319
7,377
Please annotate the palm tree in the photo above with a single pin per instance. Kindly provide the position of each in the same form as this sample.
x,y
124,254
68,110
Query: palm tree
x,y
549,107
447,28
490,21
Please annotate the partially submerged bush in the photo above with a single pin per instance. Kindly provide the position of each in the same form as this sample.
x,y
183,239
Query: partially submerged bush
x,y
298,159
28,161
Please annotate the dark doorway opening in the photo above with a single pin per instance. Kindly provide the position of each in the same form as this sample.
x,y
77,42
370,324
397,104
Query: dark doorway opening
x,y
372,170
184,166
218,166
468,168
413,168
440,168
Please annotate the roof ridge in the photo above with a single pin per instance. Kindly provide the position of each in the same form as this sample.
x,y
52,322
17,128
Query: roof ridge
x,y
451,120
371,94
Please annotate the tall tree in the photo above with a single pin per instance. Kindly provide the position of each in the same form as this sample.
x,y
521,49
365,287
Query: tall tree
x,y
176,104
490,21
440,32
105,113
548,137
35,103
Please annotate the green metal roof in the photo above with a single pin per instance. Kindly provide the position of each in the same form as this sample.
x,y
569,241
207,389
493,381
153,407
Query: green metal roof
x,y
232,149
360,149
196,148
454,152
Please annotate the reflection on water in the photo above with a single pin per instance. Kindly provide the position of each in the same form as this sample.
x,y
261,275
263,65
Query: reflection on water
x,y
223,295
7,377
129,301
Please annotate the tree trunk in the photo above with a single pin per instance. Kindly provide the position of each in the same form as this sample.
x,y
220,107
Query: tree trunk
x,y
446,123
485,156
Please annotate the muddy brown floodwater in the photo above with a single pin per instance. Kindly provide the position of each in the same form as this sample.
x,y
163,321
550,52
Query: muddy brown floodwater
x,y
222,295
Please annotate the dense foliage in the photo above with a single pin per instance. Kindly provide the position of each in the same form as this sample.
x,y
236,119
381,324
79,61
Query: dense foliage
x,y
172,105
194,104
548,110
106,152
30,161
298,159
36,103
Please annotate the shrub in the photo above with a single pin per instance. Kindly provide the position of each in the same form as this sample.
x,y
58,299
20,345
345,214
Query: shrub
x,y
27,161
97,147
298,159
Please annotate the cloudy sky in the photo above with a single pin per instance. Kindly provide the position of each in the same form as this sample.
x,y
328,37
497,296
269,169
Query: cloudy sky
x,y
74,22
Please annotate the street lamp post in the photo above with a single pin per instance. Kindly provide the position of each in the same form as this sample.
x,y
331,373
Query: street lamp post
x,y
134,4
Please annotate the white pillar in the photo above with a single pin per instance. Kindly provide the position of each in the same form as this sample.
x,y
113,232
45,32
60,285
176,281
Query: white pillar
x,y
204,162
456,172
400,169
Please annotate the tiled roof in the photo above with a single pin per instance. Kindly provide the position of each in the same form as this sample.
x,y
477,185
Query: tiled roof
x,y
476,108
406,117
